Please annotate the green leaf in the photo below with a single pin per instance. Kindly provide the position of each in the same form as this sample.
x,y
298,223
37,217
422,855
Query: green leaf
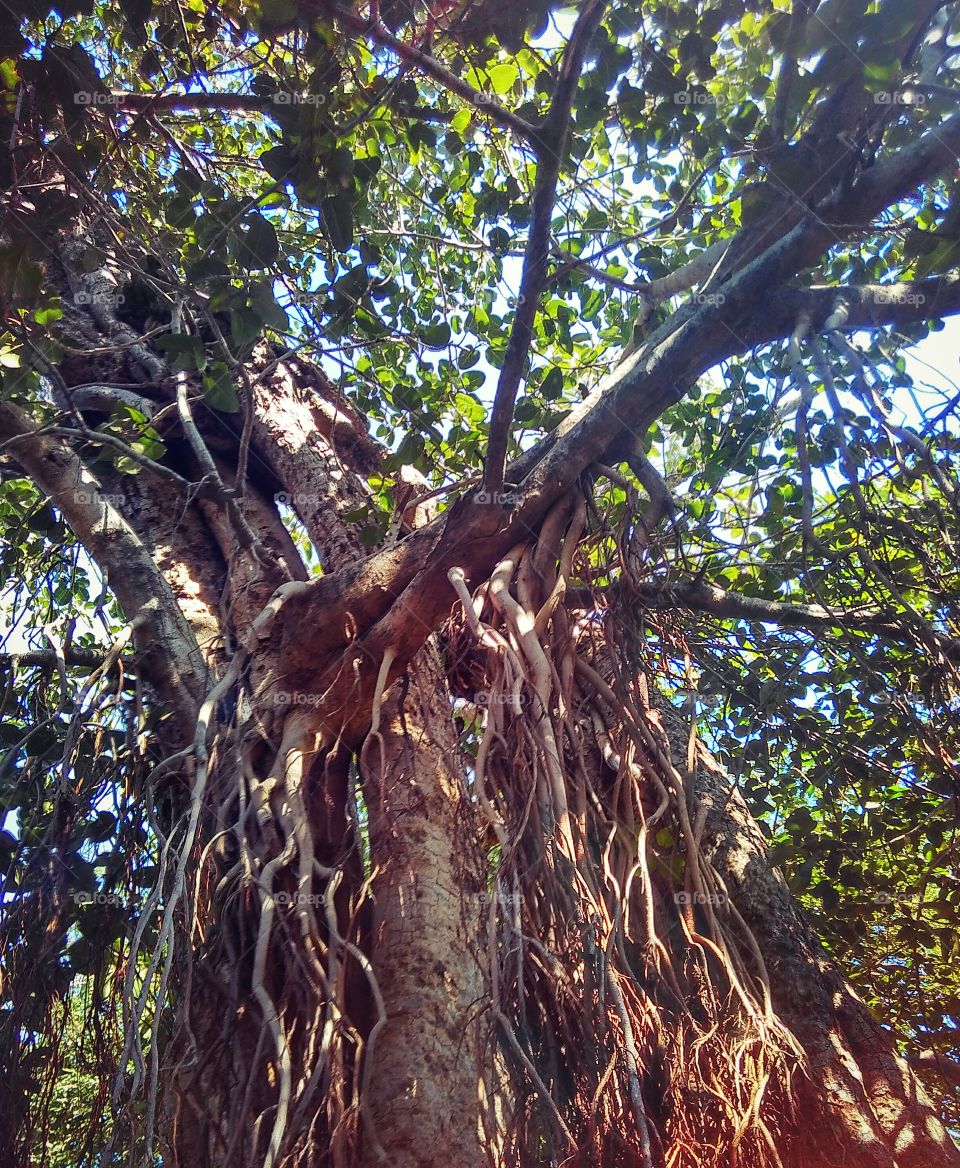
x,y
437,336
502,78
209,268
279,162
219,389
552,386
337,219
184,352
256,243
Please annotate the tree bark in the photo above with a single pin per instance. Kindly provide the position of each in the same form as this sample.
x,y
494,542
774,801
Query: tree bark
x,y
428,877
197,592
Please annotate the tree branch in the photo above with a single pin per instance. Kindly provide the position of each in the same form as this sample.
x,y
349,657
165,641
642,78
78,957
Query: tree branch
x,y
732,320
162,632
929,1060
156,103
551,153
412,594
700,596
862,306
75,655
149,104
429,65
895,177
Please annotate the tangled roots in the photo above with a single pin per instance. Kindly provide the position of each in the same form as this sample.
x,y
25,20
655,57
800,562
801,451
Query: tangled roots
x,y
629,999
629,1009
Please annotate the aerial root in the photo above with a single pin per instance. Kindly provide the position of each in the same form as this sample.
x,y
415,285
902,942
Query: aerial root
x,y
613,949
245,850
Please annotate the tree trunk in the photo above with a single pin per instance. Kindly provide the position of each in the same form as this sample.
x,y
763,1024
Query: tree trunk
x,y
493,968
857,1102
427,883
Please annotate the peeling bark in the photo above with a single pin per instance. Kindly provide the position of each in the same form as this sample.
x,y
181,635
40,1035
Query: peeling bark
x,y
319,449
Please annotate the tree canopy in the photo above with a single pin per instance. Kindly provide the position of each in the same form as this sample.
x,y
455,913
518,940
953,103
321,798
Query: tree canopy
x,y
675,253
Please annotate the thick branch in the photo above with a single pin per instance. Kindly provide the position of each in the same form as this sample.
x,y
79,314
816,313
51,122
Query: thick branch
x,y
895,177
414,595
863,306
731,321
318,447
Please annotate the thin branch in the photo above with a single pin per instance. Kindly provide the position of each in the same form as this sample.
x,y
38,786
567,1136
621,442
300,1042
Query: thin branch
x,y
651,292
148,105
155,103
245,536
75,656
429,65
551,153
699,596
662,504
717,601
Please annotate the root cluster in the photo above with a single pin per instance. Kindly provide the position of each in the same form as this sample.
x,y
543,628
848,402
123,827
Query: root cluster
x,y
628,996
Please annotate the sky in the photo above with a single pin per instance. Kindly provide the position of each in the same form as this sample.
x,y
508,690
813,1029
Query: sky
x,y
936,361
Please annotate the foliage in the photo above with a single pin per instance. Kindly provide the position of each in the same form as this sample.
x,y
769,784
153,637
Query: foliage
x,y
354,208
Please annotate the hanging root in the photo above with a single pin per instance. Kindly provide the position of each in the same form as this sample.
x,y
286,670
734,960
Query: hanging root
x,y
617,964
630,1012
262,886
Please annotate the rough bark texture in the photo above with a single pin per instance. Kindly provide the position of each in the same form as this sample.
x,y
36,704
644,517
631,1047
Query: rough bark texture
x,y
424,1095
178,567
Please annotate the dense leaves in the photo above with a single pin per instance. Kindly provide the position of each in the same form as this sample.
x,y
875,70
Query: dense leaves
x,y
345,202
